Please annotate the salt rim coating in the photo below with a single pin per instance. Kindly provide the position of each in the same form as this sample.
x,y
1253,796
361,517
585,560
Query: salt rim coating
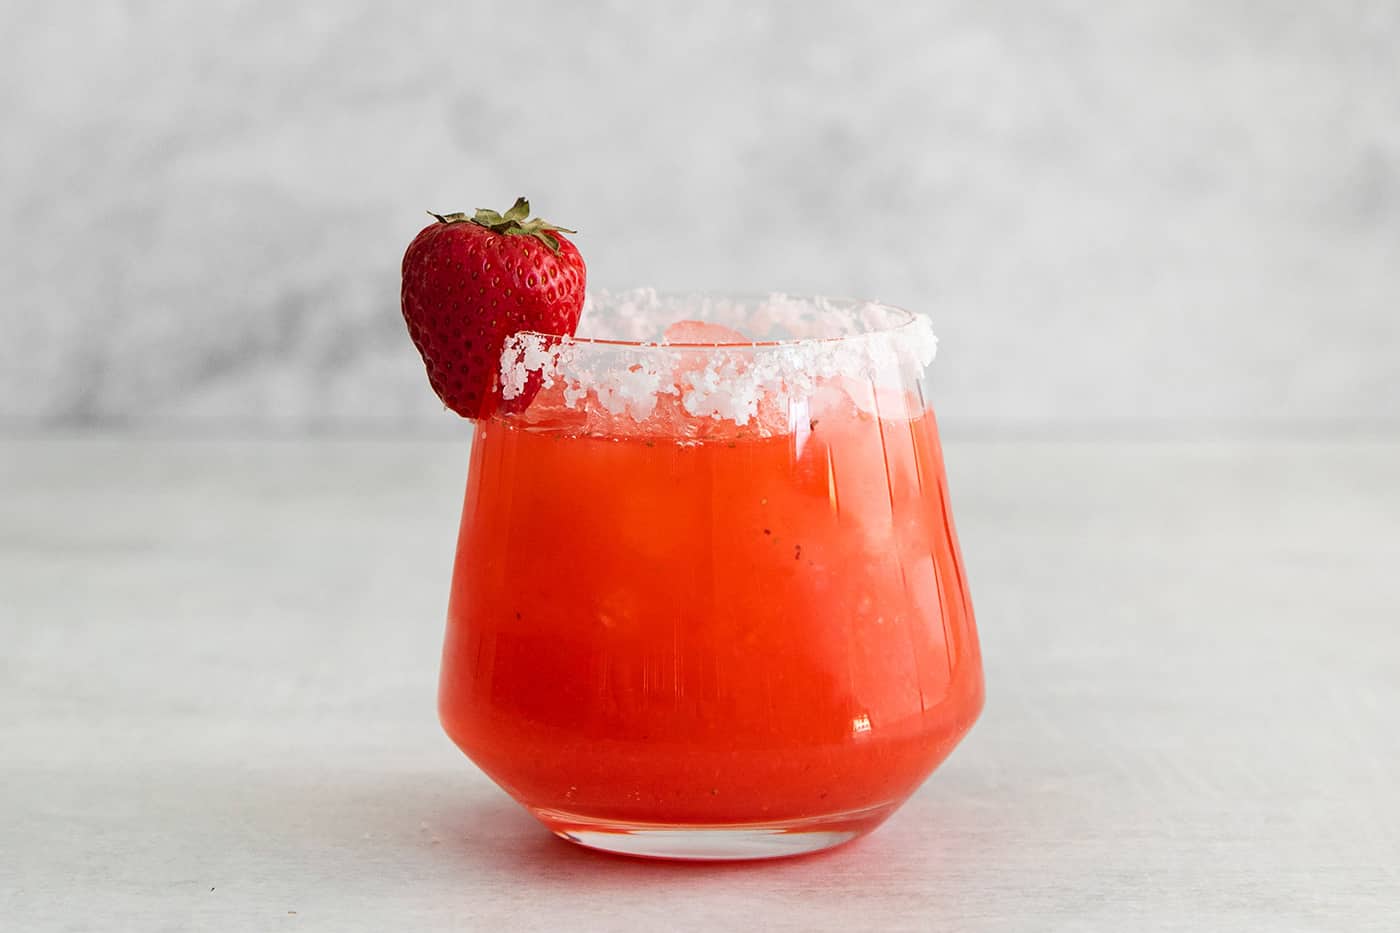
x,y
863,341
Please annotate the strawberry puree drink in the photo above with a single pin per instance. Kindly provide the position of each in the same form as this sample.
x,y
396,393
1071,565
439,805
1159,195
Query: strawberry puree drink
x,y
708,601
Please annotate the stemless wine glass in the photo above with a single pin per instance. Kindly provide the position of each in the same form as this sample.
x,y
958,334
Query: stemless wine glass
x,y
708,602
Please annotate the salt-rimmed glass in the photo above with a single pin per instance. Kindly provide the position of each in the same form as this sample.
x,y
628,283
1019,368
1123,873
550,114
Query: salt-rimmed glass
x,y
708,601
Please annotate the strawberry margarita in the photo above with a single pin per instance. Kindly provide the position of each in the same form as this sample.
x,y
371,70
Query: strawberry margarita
x,y
708,600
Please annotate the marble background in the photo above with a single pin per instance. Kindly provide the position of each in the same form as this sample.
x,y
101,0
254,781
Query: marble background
x,y
1117,214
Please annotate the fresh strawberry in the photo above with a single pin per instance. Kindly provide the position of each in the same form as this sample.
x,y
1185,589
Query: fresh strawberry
x,y
471,282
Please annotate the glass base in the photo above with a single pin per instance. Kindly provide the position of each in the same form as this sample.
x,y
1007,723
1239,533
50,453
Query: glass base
x,y
727,842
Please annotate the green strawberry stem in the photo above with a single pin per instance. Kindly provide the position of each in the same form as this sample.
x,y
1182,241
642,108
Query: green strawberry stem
x,y
511,223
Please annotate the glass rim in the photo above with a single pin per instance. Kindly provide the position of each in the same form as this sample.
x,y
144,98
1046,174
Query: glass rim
x,y
804,343
907,320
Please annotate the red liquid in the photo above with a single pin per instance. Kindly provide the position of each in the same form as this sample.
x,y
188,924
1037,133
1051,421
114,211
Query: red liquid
x,y
756,630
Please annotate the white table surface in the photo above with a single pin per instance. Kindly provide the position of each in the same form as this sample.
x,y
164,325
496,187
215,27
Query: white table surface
x,y
217,676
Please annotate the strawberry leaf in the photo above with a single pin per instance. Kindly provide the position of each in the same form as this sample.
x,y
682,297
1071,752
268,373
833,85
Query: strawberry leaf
x,y
512,223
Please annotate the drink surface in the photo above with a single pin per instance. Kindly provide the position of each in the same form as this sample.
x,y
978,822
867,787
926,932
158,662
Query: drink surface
x,y
717,630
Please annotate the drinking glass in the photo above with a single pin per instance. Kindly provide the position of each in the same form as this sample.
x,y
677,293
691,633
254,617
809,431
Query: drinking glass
x,y
708,602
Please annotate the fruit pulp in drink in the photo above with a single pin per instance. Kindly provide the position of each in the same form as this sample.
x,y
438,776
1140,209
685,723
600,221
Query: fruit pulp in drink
x,y
647,630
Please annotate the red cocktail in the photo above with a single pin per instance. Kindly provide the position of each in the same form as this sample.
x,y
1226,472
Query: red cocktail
x,y
708,600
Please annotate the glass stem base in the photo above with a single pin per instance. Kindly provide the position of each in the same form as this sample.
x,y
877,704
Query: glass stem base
x,y
714,842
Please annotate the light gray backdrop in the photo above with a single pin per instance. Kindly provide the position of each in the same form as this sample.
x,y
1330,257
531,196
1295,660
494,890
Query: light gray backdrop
x,y
1136,213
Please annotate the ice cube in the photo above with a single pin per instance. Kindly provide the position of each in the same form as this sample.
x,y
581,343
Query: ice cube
x,y
702,332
